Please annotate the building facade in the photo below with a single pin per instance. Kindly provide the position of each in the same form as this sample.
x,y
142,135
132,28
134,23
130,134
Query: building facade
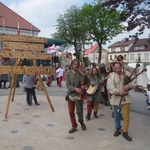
x,y
93,53
132,50
12,23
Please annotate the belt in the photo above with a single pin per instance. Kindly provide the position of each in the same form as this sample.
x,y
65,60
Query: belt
x,y
121,95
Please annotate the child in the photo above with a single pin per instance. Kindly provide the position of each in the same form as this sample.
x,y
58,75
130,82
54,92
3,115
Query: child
x,y
148,96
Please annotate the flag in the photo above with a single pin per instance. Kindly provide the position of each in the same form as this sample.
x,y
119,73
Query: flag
x,y
18,28
32,32
4,25
51,49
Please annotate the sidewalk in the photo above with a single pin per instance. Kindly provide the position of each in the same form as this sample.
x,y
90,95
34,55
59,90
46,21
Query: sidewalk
x,y
38,128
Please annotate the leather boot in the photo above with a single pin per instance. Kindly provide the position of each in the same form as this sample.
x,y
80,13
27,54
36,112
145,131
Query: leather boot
x,y
73,129
83,126
117,132
126,136
88,116
95,115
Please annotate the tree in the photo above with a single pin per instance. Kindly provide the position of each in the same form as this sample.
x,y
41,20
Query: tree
x,y
137,13
102,24
70,27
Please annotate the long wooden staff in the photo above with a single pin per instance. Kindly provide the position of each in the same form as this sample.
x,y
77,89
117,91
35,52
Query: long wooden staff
x,y
144,69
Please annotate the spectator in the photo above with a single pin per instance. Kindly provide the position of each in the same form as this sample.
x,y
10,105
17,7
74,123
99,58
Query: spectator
x,y
30,90
3,79
148,96
60,72
48,80
57,76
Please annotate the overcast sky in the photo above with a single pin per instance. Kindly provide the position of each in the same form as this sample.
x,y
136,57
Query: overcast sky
x,y
44,13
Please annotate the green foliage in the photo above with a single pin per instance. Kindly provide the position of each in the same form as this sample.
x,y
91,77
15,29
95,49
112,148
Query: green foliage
x,y
102,23
86,61
91,22
70,27
136,13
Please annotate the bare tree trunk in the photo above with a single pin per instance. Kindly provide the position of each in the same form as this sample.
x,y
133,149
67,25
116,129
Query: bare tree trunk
x,y
100,54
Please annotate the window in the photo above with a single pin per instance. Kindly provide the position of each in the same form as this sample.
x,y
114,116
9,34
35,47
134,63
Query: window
x,y
139,47
112,49
146,56
110,57
139,57
115,56
122,48
125,57
131,56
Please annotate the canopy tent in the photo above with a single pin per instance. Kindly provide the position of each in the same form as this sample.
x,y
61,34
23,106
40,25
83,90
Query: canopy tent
x,y
57,42
142,79
148,71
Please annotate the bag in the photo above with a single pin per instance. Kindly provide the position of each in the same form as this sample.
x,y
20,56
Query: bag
x,y
67,97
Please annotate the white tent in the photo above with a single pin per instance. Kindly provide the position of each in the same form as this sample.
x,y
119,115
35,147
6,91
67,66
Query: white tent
x,y
142,79
148,72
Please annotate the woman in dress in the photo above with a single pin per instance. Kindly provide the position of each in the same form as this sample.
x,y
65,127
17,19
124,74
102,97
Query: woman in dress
x,y
93,100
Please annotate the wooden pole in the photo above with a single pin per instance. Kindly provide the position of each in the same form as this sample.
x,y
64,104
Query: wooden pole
x,y
9,97
44,89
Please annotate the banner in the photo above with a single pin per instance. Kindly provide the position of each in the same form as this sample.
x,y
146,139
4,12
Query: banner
x,y
51,49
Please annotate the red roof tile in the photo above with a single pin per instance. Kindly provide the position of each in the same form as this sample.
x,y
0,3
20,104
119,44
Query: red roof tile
x,y
11,19
91,49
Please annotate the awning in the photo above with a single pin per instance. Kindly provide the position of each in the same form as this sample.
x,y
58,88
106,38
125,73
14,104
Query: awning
x,y
54,41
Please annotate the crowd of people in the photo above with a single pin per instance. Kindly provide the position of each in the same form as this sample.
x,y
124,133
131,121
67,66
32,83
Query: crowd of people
x,y
100,86
96,85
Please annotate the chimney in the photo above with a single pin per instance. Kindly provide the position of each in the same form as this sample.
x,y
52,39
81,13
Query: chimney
x,y
91,45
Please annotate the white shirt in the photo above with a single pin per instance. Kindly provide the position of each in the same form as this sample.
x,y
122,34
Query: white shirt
x,y
60,72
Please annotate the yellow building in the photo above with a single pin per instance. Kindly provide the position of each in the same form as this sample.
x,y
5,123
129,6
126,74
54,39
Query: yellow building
x,y
132,50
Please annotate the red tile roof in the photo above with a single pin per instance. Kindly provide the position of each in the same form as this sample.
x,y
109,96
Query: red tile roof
x,y
11,19
91,49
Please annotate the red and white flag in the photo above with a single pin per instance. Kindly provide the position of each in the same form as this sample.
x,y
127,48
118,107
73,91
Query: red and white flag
x,y
32,32
51,49
4,25
18,28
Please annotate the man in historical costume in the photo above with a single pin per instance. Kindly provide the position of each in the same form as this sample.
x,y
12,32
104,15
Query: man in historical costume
x,y
75,89
120,92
